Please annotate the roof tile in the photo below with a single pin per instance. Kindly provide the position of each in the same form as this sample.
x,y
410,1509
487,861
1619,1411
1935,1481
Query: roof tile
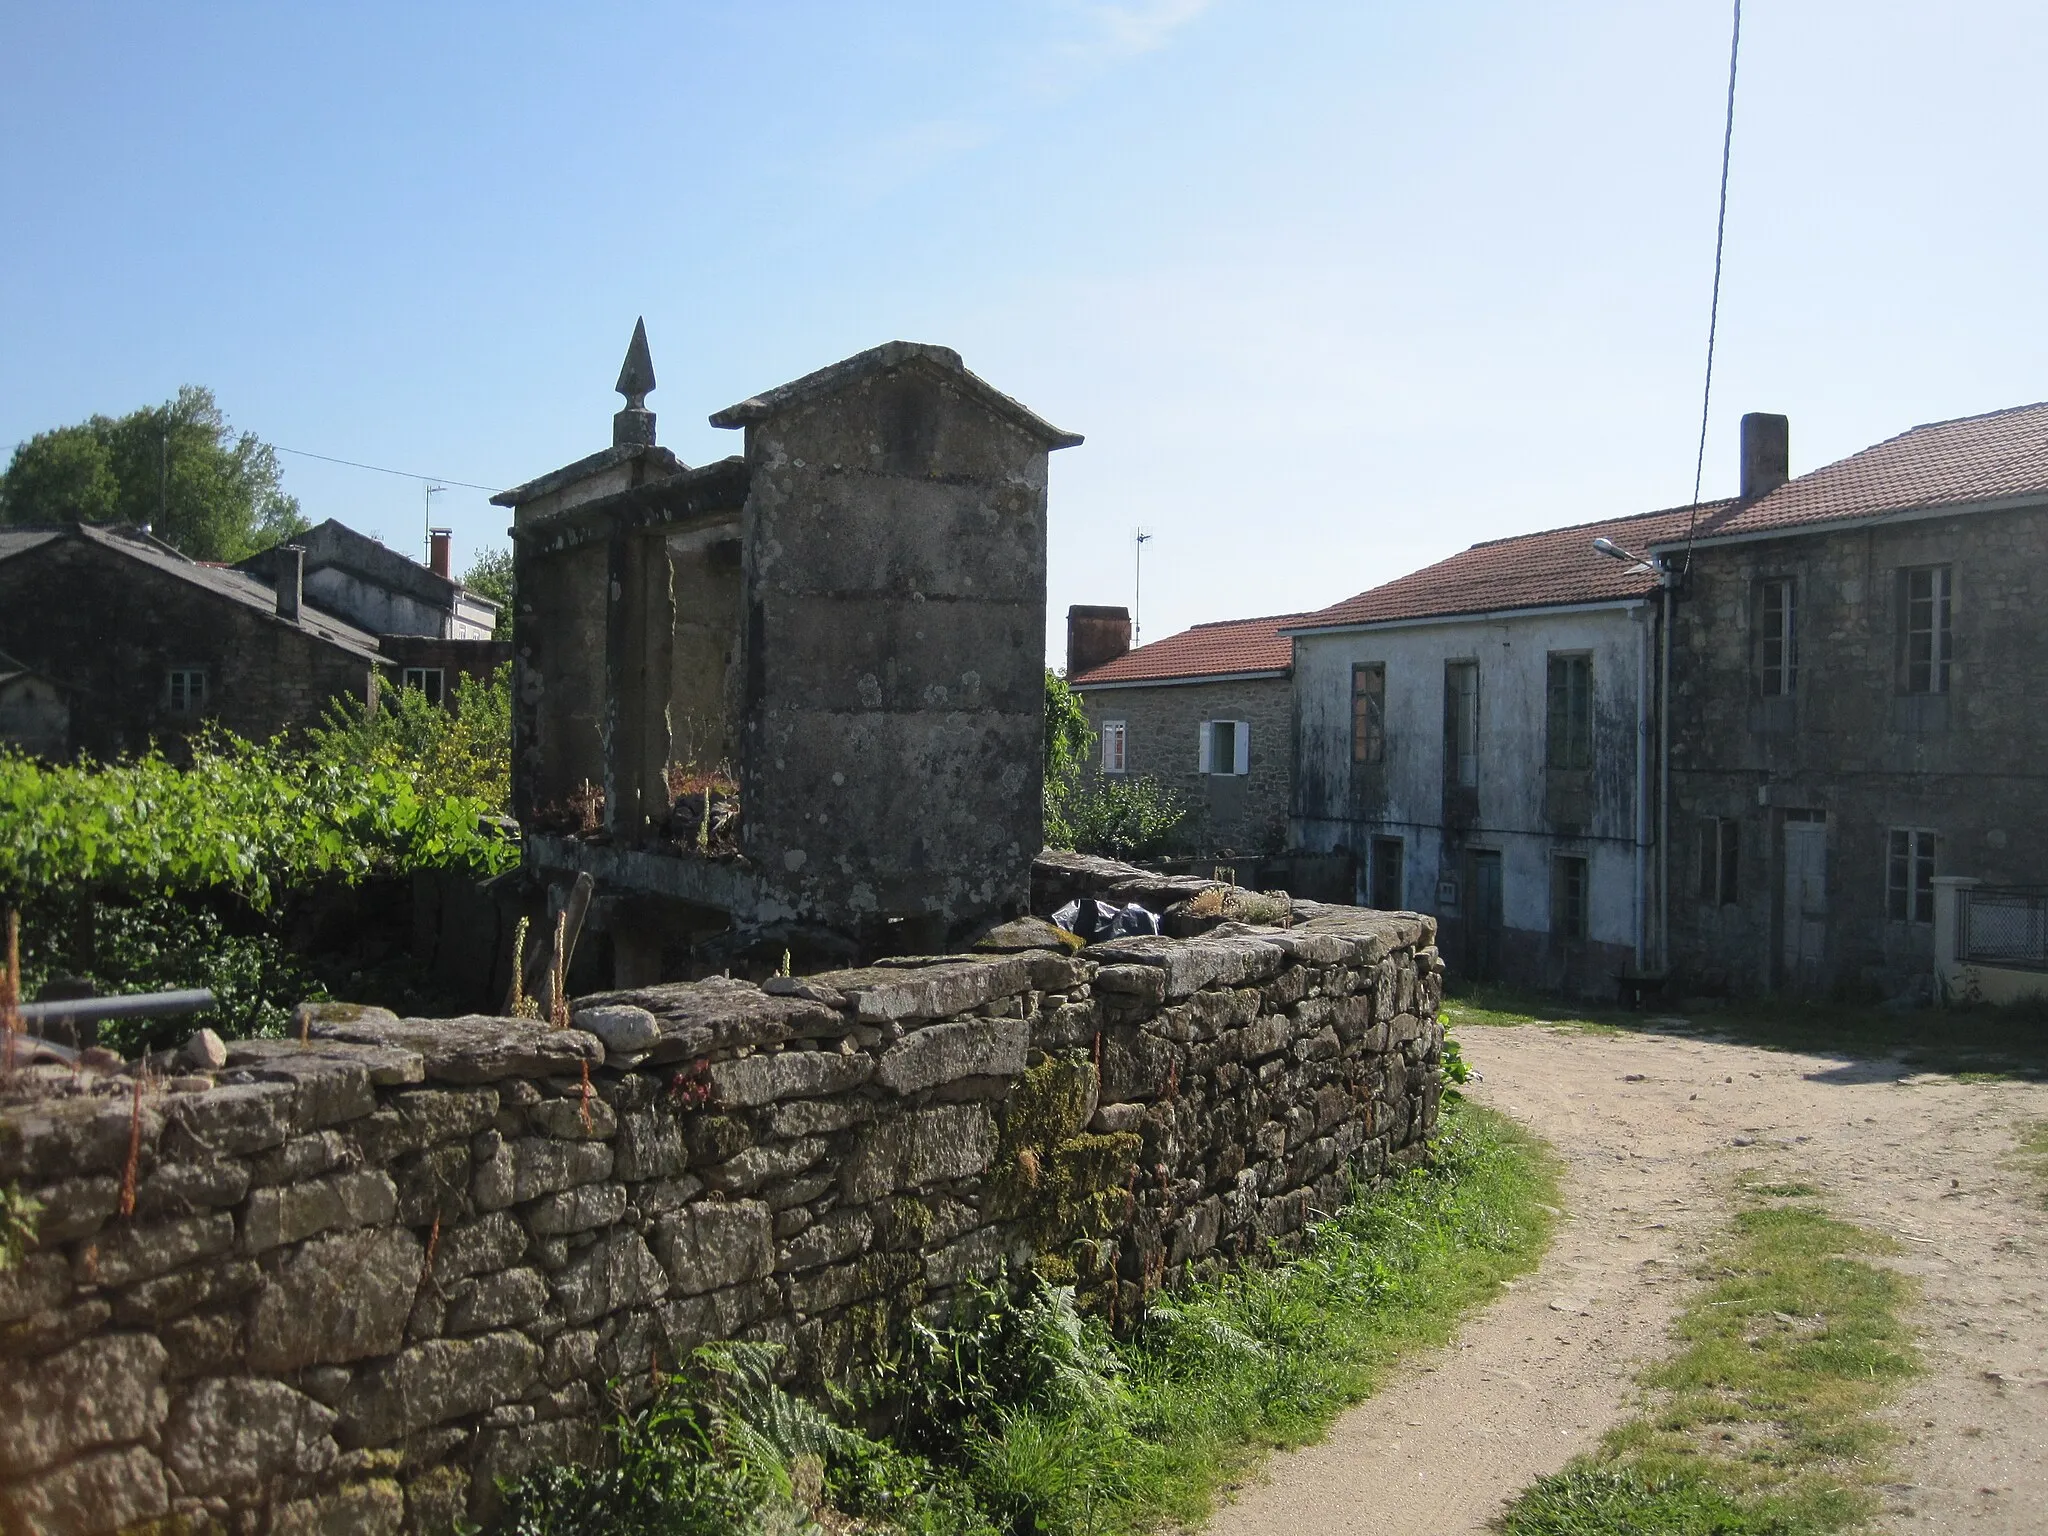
x,y
1222,649
1533,570
1944,463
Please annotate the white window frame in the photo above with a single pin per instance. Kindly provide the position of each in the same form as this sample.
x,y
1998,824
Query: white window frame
x,y
1778,679
185,690
1938,608
1241,753
1115,747
1907,902
438,694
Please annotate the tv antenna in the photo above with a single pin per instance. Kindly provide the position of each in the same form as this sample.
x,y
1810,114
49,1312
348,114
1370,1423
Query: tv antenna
x,y
1140,537
427,550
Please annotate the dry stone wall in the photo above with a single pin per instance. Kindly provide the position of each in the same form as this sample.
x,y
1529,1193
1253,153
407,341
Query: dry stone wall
x,y
345,1282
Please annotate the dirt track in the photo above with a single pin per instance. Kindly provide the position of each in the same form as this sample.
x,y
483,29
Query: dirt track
x,y
1654,1131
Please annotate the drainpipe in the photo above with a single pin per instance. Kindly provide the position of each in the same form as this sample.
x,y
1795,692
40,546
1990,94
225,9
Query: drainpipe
x,y
1664,794
1645,620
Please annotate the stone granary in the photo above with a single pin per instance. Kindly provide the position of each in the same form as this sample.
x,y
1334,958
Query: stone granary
x,y
793,696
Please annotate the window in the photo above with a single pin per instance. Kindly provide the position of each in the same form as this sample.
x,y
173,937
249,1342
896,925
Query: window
x,y
1927,600
1369,713
1112,746
427,680
1570,743
1226,747
1909,876
1384,877
185,690
1720,860
1568,896
1461,723
1778,638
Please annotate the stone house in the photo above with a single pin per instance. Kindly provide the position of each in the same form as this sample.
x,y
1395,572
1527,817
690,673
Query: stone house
x,y
791,699
1207,712
1479,735
1860,653
431,627
151,646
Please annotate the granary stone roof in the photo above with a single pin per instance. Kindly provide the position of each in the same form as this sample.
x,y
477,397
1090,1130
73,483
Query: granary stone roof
x,y
1968,463
1227,648
889,356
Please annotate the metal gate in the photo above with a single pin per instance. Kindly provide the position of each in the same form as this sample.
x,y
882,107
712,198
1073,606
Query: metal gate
x,y
2004,925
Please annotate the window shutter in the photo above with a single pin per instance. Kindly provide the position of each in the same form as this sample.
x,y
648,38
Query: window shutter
x,y
1205,735
1244,748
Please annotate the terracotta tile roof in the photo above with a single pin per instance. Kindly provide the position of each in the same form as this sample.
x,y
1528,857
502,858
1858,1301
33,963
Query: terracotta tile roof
x,y
1532,570
1223,649
1945,463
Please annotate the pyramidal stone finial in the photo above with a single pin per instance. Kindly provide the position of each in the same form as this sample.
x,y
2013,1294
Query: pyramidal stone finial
x,y
635,424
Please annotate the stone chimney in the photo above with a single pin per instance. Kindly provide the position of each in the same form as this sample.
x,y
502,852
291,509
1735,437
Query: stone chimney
x,y
1095,637
1766,454
291,580
437,547
635,424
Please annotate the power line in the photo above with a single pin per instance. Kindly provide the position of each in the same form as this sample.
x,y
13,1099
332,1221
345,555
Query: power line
x,y
328,458
1714,311
404,474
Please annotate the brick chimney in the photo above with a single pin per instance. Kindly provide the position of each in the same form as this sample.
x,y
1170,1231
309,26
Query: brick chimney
x,y
437,547
291,580
1095,637
1766,454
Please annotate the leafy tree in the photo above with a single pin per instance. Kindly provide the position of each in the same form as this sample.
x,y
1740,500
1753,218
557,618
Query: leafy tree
x,y
1122,818
213,493
490,575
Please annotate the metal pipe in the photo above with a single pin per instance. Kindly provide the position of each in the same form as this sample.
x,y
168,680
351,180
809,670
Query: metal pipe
x,y
1642,849
133,1005
1664,796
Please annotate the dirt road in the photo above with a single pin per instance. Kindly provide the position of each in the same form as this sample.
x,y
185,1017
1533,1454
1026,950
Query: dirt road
x,y
1654,1131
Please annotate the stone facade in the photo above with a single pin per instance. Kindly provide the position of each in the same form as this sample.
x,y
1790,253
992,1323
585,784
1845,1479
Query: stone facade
x,y
1850,756
111,619
1485,844
344,1282
1230,813
840,629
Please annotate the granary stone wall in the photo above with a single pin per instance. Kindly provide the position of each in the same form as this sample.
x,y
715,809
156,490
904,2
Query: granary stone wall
x,y
345,1281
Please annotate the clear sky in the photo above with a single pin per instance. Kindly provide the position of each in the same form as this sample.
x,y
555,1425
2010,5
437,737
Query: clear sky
x,y
1333,289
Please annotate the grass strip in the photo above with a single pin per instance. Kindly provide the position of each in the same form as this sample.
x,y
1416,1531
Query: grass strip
x,y
1763,1423
1025,1417
1264,1359
2032,1152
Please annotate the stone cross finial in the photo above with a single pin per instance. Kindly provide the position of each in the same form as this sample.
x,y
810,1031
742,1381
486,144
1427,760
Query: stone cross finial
x,y
635,424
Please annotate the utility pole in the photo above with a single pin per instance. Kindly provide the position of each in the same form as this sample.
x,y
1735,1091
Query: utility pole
x,y
427,546
1140,537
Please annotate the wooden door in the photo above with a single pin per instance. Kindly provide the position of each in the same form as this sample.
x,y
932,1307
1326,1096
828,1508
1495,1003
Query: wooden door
x,y
1805,904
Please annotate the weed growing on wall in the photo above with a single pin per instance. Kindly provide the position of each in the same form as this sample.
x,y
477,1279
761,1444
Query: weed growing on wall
x,y
1023,1414
1765,1420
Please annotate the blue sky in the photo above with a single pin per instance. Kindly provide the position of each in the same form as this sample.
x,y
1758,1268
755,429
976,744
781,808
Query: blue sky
x,y
1332,289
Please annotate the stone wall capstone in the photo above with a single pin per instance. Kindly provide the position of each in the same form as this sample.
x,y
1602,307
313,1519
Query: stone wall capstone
x,y
366,1272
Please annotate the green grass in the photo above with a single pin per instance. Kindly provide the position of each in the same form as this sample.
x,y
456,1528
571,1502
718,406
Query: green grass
x,y
1976,1044
2032,1153
1765,1420
1026,1418
1266,1358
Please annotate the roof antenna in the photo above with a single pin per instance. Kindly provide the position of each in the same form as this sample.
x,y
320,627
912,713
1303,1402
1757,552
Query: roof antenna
x,y
1140,537
635,424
